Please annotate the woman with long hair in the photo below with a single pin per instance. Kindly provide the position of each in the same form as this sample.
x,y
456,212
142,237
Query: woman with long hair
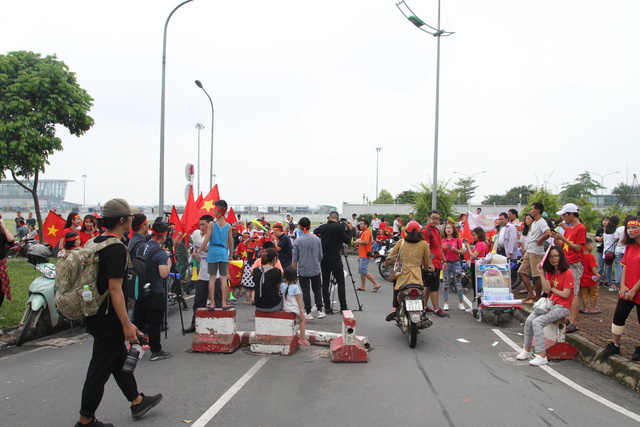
x,y
609,243
415,255
479,250
558,283
71,226
89,229
452,266
599,239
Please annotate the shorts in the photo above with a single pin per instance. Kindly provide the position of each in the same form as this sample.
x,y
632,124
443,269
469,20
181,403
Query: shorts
x,y
363,266
529,264
218,267
431,280
590,292
577,270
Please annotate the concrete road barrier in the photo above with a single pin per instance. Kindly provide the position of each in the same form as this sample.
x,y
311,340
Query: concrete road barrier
x,y
276,333
216,331
348,347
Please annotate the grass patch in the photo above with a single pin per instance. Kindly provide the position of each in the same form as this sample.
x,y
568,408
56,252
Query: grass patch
x,y
21,274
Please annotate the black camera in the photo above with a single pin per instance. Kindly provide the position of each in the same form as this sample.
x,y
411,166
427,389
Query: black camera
x,y
135,353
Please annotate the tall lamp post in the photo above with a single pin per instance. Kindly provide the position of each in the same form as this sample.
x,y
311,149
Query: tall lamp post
x,y
555,185
162,99
211,180
84,190
469,176
199,126
436,32
602,181
377,154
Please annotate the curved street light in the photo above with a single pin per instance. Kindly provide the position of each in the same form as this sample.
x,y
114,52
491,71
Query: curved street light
x,y
469,176
162,98
199,84
555,185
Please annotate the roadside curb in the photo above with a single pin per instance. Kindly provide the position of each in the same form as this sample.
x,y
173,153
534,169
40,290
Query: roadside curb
x,y
620,369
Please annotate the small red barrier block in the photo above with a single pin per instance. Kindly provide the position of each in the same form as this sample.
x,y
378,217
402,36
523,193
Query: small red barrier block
x,y
276,333
348,347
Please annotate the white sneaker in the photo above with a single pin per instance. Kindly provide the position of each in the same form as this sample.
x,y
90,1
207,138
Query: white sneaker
x,y
538,361
445,307
524,355
469,310
321,314
461,307
308,316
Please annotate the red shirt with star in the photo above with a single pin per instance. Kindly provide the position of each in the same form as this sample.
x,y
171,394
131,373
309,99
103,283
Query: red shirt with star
x,y
576,234
561,281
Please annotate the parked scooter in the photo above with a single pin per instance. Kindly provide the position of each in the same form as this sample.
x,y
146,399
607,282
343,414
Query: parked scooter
x,y
380,255
410,316
41,301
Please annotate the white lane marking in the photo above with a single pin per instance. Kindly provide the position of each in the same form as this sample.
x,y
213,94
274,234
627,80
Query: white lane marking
x,y
467,300
226,397
572,384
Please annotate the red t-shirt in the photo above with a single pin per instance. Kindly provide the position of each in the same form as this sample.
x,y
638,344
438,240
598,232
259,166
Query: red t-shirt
x,y
578,235
450,255
242,250
631,261
364,249
561,281
435,245
481,248
84,237
588,262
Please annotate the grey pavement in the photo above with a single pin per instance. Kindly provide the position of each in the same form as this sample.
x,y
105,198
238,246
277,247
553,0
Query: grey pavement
x,y
441,382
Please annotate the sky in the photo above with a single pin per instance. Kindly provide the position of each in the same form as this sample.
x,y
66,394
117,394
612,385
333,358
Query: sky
x,y
304,92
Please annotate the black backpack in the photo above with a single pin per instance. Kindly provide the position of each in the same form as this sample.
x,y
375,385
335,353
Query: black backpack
x,y
138,275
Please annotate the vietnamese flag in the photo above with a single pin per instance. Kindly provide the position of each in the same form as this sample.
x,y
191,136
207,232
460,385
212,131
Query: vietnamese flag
x,y
231,217
466,234
199,201
175,219
52,228
207,203
190,217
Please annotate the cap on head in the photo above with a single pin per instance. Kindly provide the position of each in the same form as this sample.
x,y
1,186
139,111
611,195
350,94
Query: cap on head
x,y
116,208
568,208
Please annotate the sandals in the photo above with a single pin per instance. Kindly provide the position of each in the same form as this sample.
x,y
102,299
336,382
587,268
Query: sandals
x,y
360,289
375,289
391,316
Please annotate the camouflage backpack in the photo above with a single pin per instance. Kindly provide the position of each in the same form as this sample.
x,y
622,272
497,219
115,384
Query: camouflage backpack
x,y
75,269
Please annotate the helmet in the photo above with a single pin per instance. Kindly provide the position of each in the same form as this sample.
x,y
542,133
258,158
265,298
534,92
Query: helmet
x,y
413,225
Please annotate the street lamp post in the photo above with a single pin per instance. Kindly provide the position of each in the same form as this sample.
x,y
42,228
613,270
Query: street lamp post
x,y
211,176
602,177
436,32
84,190
162,99
468,177
199,126
555,185
377,154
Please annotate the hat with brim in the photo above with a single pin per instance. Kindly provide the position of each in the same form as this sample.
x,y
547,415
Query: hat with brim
x,y
116,208
568,208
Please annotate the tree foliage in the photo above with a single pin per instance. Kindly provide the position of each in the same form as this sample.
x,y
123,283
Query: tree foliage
x,y
589,216
513,196
551,202
627,195
407,197
384,198
446,198
584,185
464,189
37,93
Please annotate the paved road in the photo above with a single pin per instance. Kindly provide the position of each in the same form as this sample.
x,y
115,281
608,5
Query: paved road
x,y
441,382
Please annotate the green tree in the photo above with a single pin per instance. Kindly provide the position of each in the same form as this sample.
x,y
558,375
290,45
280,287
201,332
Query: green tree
x,y
590,217
513,196
584,185
384,198
551,202
444,203
36,95
627,195
407,197
464,189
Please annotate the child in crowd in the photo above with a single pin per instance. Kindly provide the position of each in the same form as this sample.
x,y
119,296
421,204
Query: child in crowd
x,y
589,290
71,241
291,299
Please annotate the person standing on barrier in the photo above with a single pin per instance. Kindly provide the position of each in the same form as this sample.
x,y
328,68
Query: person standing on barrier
x,y
307,255
334,234
111,326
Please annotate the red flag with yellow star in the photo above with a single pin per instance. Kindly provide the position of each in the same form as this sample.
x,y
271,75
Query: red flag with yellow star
x,y
190,217
175,220
199,201
231,217
207,203
52,228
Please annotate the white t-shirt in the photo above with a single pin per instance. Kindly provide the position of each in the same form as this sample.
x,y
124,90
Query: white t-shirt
x,y
619,234
289,302
538,228
396,226
375,223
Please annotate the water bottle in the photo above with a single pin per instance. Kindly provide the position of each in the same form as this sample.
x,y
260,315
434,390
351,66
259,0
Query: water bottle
x,y
594,278
88,302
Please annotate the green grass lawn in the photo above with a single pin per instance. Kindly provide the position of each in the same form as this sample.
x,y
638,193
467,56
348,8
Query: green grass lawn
x,y
21,274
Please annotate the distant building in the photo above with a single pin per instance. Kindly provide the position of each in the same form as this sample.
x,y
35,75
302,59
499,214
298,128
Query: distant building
x,y
51,194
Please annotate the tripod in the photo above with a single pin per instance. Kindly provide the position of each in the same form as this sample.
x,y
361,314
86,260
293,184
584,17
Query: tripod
x,y
334,283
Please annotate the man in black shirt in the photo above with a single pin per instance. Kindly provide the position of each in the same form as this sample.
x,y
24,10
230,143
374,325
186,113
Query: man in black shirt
x,y
283,245
333,235
111,326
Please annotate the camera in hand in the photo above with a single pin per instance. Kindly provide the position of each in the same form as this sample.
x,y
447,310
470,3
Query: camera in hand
x,y
135,353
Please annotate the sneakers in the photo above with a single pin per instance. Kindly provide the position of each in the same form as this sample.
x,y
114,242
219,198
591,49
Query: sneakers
x,y
461,307
94,423
440,313
445,307
636,355
538,361
308,316
159,356
524,355
612,349
469,310
613,288
321,314
143,407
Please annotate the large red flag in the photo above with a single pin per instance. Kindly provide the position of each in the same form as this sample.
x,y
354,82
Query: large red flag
x,y
190,217
231,217
466,234
199,201
175,219
52,228
207,204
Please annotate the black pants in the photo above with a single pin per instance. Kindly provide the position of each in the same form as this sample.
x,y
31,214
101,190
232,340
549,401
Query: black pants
x,y
202,294
1,298
150,310
316,285
623,310
109,354
335,268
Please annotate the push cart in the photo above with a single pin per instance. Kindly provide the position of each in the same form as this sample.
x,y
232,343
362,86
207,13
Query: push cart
x,y
493,290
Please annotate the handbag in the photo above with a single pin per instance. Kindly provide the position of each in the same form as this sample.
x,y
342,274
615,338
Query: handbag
x,y
542,306
397,266
609,255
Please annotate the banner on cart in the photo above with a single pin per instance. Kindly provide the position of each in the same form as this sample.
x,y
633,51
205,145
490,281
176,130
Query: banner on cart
x,y
483,221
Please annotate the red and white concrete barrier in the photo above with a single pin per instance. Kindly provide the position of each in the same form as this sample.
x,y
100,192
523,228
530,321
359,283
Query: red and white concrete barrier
x,y
216,331
348,347
276,333
554,338
324,338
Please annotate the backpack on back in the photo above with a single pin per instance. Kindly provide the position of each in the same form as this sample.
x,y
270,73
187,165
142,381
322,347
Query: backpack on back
x,y
74,270
138,275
